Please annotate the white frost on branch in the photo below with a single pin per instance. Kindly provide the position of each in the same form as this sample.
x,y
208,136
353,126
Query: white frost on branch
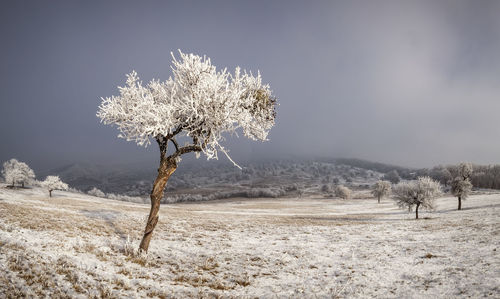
x,y
16,172
381,189
53,182
420,193
199,102
343,192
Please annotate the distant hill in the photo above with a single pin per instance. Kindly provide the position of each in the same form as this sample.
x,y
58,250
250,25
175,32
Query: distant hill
x,y
375,166
85,176
137,179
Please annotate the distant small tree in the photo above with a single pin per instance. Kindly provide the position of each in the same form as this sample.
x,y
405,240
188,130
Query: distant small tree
x,y
199,104
96,192
12,174
461,185
342,192
17,172
392,176
419,193
326,188
381,189
53,182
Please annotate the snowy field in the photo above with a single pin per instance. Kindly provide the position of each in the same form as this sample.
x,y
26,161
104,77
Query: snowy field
x,y
81,246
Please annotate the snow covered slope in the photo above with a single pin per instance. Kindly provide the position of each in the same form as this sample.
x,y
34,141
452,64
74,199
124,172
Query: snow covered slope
x,y
81,246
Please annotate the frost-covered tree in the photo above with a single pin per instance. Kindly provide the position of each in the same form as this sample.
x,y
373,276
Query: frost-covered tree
x,y
342,192
12,174
464,170
16,172
381,189
420,193
461,185
96,192
199,104
53,182
461,189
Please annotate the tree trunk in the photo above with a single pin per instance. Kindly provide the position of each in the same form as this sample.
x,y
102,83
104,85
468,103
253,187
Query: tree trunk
x,y
50,193
459,202
416,211
167,167
378,199
23,184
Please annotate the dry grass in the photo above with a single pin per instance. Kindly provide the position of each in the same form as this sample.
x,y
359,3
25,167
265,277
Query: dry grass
x,y
262,248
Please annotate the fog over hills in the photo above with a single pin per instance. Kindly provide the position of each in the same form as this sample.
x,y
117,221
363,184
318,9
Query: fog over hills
x,y
194,181
136,179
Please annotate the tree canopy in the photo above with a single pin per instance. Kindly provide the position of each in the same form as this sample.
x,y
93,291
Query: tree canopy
x,y
199,102
419,193
16,172
53,182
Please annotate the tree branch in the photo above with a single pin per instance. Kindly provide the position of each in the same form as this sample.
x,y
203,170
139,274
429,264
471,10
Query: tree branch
x,y
163,143
175,143
175,132
186,149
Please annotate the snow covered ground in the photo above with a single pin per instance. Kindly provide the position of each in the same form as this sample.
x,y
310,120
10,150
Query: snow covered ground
x,y
81,246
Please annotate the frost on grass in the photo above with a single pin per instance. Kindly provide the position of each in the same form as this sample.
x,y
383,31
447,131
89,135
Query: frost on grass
x,y
75,245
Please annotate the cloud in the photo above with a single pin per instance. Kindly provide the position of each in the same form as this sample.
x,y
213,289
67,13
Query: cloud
x,y
406,82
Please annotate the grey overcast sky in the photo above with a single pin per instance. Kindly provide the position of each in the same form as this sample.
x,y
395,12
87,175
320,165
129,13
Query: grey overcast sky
x,y
414,83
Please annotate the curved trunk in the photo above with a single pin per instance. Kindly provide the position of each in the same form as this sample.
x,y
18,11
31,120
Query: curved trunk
x,y
459,202
416,211
167,167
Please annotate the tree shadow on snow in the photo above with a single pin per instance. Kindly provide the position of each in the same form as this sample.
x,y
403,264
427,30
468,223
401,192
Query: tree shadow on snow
x,y
109,216
469,208
351,219
18,187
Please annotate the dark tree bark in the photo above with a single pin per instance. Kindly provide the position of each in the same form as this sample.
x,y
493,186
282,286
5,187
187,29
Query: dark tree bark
x,y
416,211
378,198
50,193
167,167
168,164
459,202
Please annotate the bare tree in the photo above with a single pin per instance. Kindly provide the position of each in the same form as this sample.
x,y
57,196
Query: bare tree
x,y
326,188
441,174
461,185
381,189
199,104
53,182
392,176
419,193
342,192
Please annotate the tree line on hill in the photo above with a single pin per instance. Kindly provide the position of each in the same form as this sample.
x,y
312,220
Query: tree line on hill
x,y
483,176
